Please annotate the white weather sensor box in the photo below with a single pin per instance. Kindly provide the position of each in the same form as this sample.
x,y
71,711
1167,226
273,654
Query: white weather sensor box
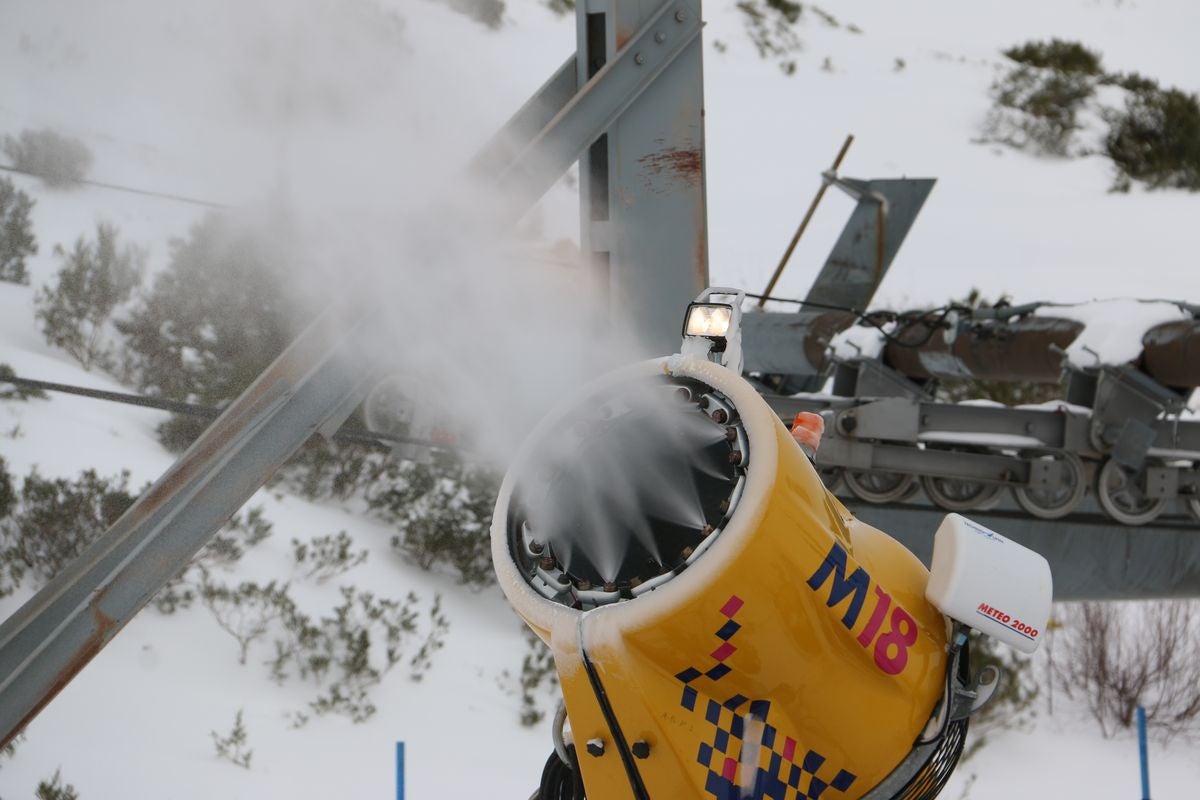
x,y
990,583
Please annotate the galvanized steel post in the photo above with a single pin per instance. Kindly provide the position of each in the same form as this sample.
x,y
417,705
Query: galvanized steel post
x,y
643,217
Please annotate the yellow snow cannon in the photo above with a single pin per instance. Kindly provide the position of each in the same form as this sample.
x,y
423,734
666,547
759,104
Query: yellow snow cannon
x,y
721,625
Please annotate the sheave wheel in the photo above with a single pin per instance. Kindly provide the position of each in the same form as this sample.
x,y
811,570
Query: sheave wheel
x,y
879,487
1052,502
1122,496
960,494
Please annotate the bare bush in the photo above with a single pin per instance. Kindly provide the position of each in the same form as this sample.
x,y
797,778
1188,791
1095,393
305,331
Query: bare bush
x,y
1119,657
246,612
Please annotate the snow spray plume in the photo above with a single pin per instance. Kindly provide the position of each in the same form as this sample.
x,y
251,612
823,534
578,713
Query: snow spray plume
x,y
345,133
628,482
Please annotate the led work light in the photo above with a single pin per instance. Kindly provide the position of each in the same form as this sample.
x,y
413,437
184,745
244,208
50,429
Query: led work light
x,y
712,330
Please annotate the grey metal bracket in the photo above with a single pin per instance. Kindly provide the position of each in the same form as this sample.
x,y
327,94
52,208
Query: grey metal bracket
x,y
895,419
869,377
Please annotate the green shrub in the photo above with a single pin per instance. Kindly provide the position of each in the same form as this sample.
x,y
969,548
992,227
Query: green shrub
x,y
58,160
96,278
1057,55
538,680
8,495
11,569
224,550
214,319
56,519
771,25
443,511
344,653
1156,139
1038,108
14,392
17,242
1130,81
234,746
10,750
238,535
323,469
55,789
325,557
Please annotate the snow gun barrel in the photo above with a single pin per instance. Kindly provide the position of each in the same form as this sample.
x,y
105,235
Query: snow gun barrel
x,y
721,624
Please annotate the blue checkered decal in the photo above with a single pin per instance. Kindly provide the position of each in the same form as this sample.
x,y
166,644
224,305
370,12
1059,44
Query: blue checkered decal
x,y
784,769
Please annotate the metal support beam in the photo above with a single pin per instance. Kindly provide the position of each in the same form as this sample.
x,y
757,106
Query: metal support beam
x,y
1091,558
537,112
643,218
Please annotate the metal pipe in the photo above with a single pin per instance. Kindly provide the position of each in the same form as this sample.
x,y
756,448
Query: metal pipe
x,y
556,734
812,207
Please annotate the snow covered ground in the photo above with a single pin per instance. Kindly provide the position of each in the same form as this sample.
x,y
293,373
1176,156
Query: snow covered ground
x,y
189,99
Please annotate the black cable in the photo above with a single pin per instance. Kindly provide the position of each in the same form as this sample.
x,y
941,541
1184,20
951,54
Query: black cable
x,y
345,435
561,781
116,187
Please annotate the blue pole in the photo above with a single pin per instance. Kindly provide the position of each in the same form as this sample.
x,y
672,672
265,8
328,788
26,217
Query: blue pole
x,y
1141,724
399,770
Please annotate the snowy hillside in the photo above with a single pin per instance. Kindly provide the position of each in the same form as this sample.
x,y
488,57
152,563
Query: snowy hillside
x,y
359,119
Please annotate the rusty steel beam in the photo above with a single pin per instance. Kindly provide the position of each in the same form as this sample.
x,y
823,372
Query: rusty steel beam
x,y
310,388
526,123
803,226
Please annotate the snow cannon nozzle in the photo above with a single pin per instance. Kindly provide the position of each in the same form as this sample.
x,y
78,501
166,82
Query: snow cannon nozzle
x,y
626,490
